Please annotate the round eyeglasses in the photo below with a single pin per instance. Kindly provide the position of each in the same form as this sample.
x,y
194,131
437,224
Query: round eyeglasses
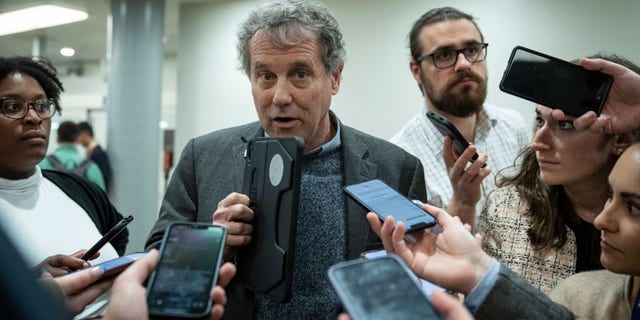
x,y
446,58
16,109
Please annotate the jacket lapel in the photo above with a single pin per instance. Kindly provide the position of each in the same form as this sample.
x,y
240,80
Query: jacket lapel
x,y
357,168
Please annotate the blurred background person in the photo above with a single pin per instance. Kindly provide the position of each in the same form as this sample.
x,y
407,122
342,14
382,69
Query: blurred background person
x,y
67,158
94,151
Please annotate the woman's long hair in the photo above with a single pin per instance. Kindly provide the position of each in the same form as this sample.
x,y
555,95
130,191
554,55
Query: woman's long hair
x,y
549,207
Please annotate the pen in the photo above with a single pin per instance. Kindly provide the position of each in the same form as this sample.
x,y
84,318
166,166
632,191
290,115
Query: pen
x,y
107,237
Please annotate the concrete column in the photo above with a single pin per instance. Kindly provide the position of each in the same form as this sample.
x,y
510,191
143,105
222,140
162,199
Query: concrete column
x,y
134,104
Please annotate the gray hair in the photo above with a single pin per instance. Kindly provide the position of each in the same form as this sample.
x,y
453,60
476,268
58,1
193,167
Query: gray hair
x,y
287,23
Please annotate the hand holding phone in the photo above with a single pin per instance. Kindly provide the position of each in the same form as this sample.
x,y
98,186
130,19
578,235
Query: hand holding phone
x,y
380,288
378,197
113,267
555,83
190,257
447,128
107,237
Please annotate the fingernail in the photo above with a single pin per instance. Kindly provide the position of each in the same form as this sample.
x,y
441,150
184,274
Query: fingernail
x,y
97,270
43,271
86,265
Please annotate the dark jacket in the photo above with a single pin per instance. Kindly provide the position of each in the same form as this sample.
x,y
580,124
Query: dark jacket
x,y
212,166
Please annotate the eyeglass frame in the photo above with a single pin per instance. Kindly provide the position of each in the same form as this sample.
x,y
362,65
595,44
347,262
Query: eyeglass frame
x,y
30,105
483,46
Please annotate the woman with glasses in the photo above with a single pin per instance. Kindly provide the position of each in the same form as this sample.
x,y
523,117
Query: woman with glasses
x,y
539,222
48,215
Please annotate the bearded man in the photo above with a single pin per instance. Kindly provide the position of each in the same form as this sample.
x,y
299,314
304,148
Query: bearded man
x,y
448,62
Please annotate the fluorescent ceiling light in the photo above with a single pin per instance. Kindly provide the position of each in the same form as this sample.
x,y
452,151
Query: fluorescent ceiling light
x,y
67,52
38,17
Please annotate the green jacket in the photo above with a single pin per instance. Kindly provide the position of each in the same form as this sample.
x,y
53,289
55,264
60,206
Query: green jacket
x,y
70,157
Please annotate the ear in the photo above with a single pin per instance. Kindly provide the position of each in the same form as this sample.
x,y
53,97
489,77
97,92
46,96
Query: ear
x,y
336,76
414,66
620,143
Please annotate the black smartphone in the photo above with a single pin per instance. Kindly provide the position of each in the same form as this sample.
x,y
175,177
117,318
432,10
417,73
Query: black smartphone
x,y
378,197
190,257
555,83
447,128
107,237
380,288
113,267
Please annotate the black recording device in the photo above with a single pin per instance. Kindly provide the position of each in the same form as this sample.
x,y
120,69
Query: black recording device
x,y
272,182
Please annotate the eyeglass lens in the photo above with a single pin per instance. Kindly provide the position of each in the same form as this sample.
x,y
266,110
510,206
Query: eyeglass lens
x,y
16,109
447,58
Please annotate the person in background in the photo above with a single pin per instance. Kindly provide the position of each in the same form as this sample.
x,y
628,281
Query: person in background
x,y
67,158
448,63
47,214
539,222
293,55
94,151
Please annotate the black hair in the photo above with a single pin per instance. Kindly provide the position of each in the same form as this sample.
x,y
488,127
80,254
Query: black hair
x,y
85,127
39,68
435,16
67,132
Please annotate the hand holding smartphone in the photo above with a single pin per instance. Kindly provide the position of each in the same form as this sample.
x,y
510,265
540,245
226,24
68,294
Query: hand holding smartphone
x,y
115,266
447,128
378,197
110,235
190,257
555,83
380,288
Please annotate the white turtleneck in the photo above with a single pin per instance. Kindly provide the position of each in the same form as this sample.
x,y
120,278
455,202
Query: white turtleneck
x,y
42,220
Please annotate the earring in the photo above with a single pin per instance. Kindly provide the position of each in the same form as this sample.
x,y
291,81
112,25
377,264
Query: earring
x,y
619,151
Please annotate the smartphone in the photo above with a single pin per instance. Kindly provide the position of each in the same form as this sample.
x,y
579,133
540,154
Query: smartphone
x,y
113,267
555,83
110,235
380,288
378,197
190,257
447,128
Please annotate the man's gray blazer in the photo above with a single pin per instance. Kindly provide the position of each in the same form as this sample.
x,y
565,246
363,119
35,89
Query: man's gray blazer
x,y
212,166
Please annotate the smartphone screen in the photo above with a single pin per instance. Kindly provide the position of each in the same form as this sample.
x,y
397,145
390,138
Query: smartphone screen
x,y
380,288
190,256
555,83
446,128
384,201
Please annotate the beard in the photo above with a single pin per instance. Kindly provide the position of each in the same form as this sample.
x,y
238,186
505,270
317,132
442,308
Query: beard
x,y
463,104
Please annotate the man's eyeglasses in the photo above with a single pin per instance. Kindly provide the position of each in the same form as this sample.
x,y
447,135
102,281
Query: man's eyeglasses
x,y
17,109
446,58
